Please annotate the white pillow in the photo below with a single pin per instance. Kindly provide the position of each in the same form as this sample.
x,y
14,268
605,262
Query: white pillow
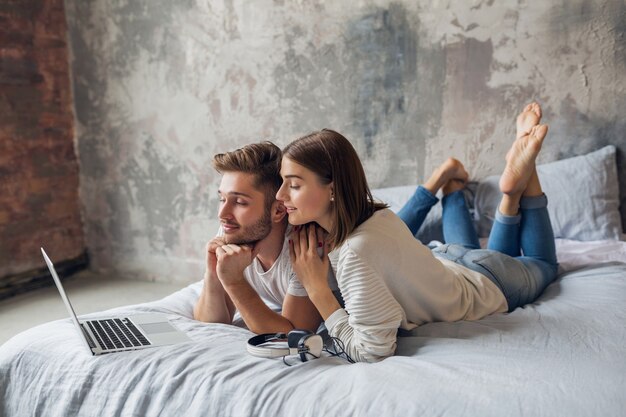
x,y
583,197
394,197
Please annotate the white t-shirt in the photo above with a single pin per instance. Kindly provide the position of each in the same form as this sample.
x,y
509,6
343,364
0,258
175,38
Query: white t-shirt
x,y
278,281
389,280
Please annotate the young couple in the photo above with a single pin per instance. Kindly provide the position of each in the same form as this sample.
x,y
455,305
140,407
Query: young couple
x,y
387,278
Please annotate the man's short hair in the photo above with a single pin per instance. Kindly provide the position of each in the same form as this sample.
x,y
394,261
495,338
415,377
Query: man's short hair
x,y
262,160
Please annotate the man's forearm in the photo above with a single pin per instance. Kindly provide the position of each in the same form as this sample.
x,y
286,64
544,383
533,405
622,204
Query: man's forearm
x,y
212,306
258,317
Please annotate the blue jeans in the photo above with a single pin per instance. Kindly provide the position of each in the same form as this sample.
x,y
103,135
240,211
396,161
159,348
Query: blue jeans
x,y
521,255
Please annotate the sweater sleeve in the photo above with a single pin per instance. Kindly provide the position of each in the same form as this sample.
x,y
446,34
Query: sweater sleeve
x,y
369,324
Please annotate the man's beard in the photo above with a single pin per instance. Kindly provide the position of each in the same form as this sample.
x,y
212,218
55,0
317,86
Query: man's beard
x,y
249,235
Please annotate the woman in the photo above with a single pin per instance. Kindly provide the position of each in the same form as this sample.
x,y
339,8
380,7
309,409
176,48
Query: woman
x,y
387,278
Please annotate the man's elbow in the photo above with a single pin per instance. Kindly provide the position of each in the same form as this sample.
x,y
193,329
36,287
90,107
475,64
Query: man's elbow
x,y
275,328
201,314
311,324
198,315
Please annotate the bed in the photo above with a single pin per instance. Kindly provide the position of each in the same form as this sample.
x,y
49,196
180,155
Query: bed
x,y
563,355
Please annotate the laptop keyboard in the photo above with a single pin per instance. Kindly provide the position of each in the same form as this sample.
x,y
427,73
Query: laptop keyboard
x,y
117,333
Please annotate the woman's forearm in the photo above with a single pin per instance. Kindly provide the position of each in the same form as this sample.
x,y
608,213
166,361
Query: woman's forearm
x,y
324,301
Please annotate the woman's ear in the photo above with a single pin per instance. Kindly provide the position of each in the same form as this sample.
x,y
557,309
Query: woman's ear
x,y
332,191
278,211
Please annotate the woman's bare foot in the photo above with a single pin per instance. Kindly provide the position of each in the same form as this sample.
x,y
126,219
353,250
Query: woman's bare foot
x,y
520,161
451,169
452,186
529,117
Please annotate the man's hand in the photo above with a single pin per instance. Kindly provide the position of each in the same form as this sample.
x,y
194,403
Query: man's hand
x,y
211,258
232,260
214,305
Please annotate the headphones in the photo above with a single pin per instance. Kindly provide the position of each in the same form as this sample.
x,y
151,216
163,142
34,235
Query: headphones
x,y
299,342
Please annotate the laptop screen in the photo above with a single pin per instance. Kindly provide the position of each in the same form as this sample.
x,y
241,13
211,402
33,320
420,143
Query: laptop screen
x,y
66,300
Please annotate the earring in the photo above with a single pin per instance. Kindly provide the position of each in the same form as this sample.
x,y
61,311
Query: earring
x,y
332,198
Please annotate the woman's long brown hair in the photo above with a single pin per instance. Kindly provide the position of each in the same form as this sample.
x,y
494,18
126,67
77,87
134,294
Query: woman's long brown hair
x,y
332,157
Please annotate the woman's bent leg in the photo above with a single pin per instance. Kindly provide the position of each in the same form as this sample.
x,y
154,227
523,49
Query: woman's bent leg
x,y
536,235
522,221
458,227
518,180
415,210
504,235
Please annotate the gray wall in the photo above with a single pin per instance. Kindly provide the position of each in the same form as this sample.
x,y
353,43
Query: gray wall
x,y
160,86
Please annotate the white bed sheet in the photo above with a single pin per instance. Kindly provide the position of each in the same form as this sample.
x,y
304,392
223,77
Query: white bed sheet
x,y
574,254
563,355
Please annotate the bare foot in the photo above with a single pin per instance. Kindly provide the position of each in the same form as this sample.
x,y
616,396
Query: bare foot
x,y
452,186
451,169
520,161
528,118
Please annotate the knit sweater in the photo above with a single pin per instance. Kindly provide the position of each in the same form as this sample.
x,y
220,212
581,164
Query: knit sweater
x,y
389,280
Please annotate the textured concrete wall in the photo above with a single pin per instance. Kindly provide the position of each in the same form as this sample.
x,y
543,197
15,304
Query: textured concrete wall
x,y
160,86
39,203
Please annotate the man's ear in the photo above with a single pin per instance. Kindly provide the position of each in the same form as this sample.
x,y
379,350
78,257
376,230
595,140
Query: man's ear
x,y
278,211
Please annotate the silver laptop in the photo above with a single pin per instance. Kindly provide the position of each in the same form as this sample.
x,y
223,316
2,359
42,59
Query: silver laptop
x,y
117,334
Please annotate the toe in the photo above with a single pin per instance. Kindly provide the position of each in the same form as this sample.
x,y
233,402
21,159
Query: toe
x,y
536,108
539,132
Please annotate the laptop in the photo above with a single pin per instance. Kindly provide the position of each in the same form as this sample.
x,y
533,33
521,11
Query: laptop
x,y
118,334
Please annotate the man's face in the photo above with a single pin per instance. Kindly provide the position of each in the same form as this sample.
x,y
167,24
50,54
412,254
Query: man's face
x,y
243,214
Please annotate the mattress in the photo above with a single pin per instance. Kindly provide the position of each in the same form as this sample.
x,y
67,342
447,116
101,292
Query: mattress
x,y
562,355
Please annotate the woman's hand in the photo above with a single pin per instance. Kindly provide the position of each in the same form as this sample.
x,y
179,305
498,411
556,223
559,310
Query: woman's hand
x,y
310,267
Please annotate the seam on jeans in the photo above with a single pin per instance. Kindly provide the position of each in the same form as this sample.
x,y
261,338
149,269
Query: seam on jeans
x,y
495,276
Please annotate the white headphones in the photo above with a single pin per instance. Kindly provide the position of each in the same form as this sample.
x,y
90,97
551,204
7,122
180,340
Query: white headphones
x,y
299,342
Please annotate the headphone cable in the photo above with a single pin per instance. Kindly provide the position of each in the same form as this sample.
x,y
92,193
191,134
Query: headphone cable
x,y
339,350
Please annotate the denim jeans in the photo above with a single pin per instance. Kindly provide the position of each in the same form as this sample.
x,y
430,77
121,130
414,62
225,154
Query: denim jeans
x,y
520,257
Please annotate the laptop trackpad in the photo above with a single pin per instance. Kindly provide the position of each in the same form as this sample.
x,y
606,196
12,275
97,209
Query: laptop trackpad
x,y
152,328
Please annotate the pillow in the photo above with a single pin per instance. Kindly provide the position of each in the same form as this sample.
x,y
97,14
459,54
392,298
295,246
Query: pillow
x,y
583,197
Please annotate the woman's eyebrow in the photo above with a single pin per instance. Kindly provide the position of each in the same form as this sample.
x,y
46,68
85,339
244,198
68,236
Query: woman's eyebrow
x,y
293,176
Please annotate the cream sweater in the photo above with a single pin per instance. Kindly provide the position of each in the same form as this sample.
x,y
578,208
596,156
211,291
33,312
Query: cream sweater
x,y
389,280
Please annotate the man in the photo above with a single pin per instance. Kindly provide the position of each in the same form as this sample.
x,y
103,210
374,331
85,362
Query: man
x,y
247,264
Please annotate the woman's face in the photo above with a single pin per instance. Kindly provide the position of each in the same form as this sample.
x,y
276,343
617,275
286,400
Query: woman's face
x,y
305,198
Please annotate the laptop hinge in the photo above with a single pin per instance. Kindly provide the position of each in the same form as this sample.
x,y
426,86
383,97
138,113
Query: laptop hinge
x,y
87,336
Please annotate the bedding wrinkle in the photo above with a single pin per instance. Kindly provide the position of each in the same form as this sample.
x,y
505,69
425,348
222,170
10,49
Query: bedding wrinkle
x,y
565,352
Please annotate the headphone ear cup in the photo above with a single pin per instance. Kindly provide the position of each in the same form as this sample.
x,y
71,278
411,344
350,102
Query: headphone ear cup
x,y
312,344
295,336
